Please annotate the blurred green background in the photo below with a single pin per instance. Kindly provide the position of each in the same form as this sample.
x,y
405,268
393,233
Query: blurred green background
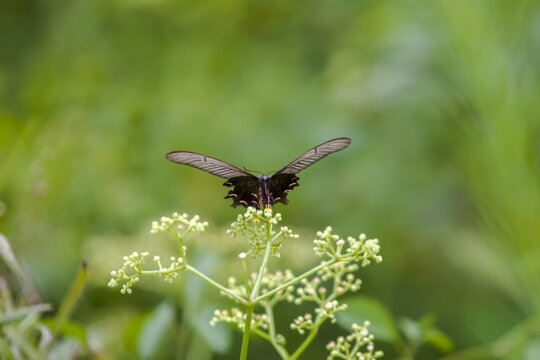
x,y
440,98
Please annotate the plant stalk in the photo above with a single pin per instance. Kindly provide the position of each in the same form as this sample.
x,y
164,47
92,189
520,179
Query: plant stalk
x,y
247,332
307,341
267,251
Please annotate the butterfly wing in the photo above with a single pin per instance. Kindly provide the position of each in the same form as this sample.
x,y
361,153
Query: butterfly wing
x,y
280,185
206,163
285,179
244,192
246,187
312,156
244,184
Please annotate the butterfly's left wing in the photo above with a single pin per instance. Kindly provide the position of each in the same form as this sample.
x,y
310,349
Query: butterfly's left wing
x,y
285,179
310,157
280,185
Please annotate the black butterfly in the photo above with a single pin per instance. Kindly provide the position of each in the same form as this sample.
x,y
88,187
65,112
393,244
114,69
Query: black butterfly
x,y
249,190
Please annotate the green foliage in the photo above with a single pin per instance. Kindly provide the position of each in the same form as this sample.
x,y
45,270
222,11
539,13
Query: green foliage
x,y
362,309
25,331
406,336
152,332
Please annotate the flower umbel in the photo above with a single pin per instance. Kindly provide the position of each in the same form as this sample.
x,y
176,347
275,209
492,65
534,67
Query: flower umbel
x,y
361,250
350,347
260,291
258,224
131,271
181,223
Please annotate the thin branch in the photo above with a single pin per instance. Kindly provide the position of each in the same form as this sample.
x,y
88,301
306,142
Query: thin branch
x,y
217,285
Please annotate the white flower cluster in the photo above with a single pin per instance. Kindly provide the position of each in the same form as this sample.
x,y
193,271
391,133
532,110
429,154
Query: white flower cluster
x,y
235,317
234,286
182,222
238,318
350,347
329,309
310,291
343,275
303,323
132,264
269,281
324,245
363,249
359,250
258,224
170,272
130,272
326,310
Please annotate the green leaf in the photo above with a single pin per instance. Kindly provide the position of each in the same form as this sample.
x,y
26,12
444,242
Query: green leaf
x,y
66,349
206,263
439,340
153,330
68,329
131,334
7,254
218,337
360,309
532,351
412,330
433,336
424,332
72,297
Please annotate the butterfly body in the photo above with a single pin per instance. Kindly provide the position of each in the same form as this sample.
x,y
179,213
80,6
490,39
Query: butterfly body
x,y
266,190
260,192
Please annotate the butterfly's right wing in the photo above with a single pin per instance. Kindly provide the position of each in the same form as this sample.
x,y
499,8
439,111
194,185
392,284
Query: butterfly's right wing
x,y
245,185
206,163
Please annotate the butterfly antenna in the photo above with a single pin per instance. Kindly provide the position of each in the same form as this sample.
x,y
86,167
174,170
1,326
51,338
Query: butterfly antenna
x,y
252,171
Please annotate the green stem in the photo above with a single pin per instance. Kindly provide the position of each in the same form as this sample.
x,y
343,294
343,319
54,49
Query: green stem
x,y
247,332
271,327
272,330
262,334
180,242
257,285
277,236
246,277
250,303
217,285
307,340
355,348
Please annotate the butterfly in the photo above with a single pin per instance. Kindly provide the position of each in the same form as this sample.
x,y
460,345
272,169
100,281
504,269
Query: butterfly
x,y
259,192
